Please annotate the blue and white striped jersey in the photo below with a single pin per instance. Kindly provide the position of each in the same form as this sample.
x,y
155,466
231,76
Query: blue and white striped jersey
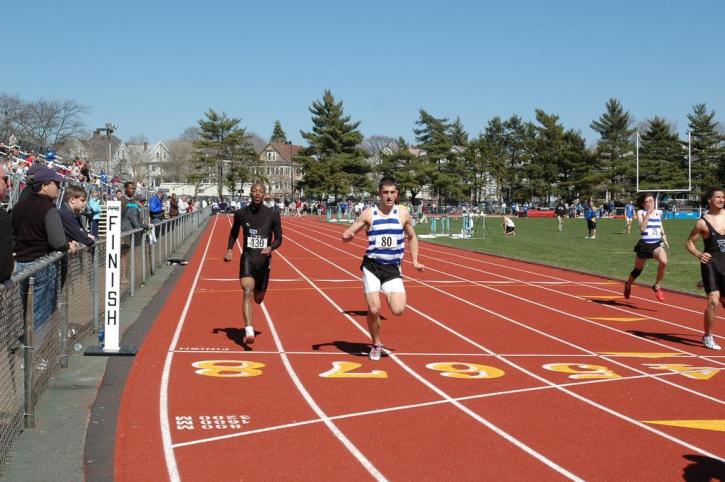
x,y
386,240
653,232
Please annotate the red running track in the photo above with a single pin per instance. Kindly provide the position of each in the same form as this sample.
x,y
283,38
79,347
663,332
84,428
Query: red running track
x,y
499,370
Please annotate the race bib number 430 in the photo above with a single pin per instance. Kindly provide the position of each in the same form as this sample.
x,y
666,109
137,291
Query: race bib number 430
x,y
256,242
385,241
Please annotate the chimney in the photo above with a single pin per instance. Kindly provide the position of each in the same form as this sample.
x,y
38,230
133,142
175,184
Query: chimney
x,y
145,146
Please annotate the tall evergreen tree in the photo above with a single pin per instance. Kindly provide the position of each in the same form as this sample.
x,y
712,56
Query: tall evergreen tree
x,y
412,172
433,136
518,143
459,136
615,148
333,162
222,142
708,154
494,136
576,177
662,160
278,134
543,170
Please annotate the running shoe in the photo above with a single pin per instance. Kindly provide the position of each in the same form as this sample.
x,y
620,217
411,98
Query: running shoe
x,y
376,351
248,335
627,290
709,342
593,237
659,293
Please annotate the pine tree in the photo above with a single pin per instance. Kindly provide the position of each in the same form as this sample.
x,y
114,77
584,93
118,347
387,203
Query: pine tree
x,y
518,143
494,136
278,134
222,142
615,149
412,172
576,177
433,136
708,154
543,171
662,160
333,162
459,136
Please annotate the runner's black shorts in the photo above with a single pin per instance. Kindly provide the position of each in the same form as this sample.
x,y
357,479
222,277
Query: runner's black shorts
x,y
713,276
510,229
384,272
257,267
591,224
646,250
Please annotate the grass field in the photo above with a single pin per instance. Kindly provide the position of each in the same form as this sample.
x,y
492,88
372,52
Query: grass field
x,y
611,254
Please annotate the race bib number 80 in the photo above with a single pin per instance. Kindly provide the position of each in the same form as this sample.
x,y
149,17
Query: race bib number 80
x,y
385,241
256,242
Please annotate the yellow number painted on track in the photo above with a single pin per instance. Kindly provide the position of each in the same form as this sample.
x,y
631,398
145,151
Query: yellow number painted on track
x,y
582,371
344,369
697,373
228,368
471,371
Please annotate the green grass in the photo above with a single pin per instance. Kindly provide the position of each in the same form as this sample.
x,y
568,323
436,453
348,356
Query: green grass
x,y
538,240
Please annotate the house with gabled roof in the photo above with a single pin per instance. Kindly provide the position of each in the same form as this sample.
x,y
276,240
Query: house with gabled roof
x,y
277,166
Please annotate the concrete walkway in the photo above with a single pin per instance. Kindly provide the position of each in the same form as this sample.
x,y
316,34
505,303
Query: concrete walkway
x,y
81,395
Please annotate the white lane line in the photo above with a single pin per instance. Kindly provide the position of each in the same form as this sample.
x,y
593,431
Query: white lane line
x,y
548,307
580,283
439,354
543,380
411,406
171,465
528,272
510,438
236,280
354,451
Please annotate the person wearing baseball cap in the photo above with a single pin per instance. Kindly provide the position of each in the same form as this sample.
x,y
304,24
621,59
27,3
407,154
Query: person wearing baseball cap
x,y
38,232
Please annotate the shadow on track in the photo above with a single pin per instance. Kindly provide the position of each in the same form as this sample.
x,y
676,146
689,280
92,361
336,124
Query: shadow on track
x,y
671,337
236,335
351,348
703,469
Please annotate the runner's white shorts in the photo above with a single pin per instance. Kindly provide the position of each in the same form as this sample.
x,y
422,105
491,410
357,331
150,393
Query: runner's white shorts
x,y
371,283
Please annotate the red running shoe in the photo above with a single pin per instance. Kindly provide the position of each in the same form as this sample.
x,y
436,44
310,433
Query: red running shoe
x,y
659,293
627,290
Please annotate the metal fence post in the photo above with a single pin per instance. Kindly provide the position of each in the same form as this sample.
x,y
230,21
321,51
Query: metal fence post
x,y
28,355
132,264
143,258
64,322
95,289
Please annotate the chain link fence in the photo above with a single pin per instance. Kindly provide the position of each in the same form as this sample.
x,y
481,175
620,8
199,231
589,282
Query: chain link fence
x,y
50,304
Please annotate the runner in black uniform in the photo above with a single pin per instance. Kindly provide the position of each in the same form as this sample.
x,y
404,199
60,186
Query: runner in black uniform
x,y
711,227
262,234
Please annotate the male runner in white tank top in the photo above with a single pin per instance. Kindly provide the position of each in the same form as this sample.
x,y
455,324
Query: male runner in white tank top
x,y
388,225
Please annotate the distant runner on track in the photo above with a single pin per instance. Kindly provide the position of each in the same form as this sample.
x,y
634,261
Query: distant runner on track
x,y
711,227
651,245
262,234
387,225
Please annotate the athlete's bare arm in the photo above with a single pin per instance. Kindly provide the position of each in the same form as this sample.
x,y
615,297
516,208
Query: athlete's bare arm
x,y
233,235
365,220
412,237
700,229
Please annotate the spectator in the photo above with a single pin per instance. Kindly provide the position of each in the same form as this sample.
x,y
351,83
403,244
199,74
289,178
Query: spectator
x,y
74,203
174,206
38,232
130,220
50,155
183,206
156,207
6,234
94,205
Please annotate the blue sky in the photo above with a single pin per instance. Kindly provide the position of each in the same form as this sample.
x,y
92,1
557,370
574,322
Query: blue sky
x,y
154,67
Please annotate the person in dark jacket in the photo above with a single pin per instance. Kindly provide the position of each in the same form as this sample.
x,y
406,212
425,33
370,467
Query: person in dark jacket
x,y
7,261
74,203
38,232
